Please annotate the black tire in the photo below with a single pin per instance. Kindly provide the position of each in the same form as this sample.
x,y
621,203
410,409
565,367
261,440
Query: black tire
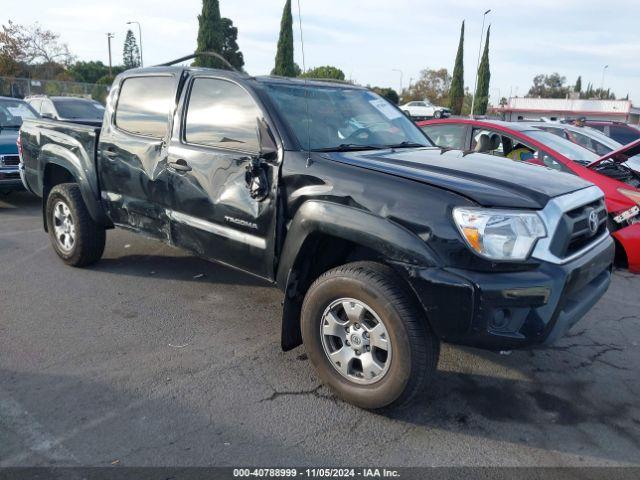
x,y
89,238
415,349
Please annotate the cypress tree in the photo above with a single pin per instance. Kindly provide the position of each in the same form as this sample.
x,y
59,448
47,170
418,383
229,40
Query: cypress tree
x,y
230,49
130,52
456,93
484,77
285,65
210,37
578,87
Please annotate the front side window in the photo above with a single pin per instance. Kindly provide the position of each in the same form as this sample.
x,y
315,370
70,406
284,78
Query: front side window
x,y
144,105
330,118
448,136
221,114
47,108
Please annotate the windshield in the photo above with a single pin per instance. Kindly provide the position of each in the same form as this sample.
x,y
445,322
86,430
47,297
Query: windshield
x,y
564,147
343,118
78,108
13,111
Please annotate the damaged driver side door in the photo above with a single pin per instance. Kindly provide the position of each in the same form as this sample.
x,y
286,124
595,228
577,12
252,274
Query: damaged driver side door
x,y
223,178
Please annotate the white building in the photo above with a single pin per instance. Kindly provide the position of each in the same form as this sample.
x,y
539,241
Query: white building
x,y
519,108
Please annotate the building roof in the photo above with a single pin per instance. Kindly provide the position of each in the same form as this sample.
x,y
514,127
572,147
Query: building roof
x,y
567,105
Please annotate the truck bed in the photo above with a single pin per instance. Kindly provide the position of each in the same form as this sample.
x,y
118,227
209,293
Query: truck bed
x,y
61,142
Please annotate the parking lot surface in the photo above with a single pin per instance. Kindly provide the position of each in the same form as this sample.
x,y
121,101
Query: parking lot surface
x,y
156,358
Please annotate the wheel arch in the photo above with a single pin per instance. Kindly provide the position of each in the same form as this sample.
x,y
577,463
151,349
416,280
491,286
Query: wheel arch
x,y
323,235
60,165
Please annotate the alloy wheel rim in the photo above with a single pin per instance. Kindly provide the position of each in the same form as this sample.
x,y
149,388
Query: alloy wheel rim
x,y
63,226
355,341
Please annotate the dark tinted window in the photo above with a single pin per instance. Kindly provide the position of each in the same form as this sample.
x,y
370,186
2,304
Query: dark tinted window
x,y
144,105
449,136
79,108
623,135
221,114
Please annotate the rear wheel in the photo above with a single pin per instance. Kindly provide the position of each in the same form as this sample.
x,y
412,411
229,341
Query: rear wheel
x,y
366,336
75,237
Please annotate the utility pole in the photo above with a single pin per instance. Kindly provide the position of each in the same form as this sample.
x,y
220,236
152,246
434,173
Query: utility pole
x,y
139,39
604,69
475,90
109,37
401,75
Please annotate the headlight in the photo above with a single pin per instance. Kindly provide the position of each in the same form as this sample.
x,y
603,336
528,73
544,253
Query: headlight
x,y
499,234
630,194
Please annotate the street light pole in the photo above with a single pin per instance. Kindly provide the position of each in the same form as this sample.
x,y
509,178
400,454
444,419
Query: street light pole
x,y
139,39
604,69
475,90
109,37
401,75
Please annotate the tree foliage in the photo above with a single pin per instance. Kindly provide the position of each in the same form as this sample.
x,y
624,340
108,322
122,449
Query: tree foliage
x,y
210,37
130,51
327,71
433,85
285,65
22,46
388,93
92,72
484,79
230,49
578,86
549,86
456,95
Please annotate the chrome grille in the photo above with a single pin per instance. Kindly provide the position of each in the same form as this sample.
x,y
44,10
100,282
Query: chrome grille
x,y
574,231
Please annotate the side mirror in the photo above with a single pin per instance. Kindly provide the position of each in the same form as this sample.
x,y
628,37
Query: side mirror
x,y
268,147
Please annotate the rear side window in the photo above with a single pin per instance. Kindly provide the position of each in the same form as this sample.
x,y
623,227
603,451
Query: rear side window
x,y
221,114
144,105
448,136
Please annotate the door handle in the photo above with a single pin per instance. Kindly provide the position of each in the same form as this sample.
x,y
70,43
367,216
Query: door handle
x,y
180,166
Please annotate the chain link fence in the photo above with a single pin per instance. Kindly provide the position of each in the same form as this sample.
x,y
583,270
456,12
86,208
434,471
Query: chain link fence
x,y
24,87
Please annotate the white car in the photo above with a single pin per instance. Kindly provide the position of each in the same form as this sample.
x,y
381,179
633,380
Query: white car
x,y
424,109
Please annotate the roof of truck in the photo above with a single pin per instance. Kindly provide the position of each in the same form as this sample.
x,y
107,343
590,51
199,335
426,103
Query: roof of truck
x,y
243,76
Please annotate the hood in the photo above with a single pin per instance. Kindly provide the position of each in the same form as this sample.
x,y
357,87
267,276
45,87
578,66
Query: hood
x,y
487,180
621,154
8,137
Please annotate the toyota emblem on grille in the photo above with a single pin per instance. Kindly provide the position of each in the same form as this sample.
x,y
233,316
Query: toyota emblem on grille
x,y
593,222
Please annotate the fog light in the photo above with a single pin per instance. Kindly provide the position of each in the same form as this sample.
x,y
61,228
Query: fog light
x,y
501,319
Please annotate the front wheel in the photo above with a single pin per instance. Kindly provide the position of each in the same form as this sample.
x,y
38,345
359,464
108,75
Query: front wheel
x,y
366,336
438,114
75,237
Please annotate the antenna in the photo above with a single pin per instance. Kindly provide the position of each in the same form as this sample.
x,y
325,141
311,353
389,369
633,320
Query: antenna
x,y
306,89
200,54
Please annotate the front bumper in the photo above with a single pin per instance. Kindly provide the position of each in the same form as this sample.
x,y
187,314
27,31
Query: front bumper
x,y
10,179
502,311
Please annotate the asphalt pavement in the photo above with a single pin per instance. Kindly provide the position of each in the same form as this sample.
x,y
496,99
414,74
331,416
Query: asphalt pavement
x,y
155,358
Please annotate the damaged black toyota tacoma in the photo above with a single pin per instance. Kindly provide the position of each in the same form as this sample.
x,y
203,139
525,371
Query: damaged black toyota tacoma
x,y
383,244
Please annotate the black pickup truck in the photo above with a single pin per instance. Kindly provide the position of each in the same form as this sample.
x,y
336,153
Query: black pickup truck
x,y
383,244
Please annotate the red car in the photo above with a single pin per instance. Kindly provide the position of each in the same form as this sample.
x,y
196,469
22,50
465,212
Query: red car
x,y
523,142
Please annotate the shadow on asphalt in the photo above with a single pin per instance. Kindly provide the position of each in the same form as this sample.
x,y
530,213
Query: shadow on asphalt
x,y
176,268
19,200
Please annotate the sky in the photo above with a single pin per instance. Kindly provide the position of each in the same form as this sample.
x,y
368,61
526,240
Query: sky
x,y
370,40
